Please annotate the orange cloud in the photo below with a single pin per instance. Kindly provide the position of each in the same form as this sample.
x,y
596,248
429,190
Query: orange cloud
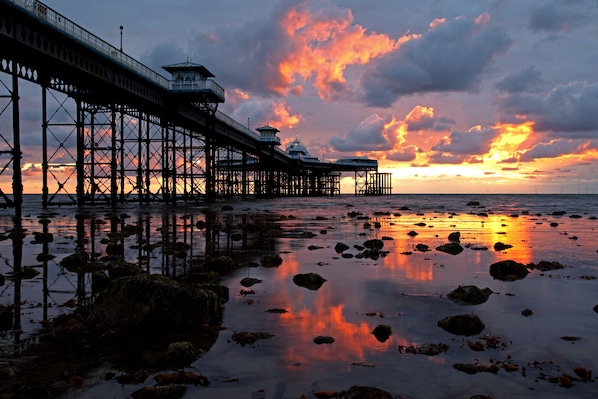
x,y
324,43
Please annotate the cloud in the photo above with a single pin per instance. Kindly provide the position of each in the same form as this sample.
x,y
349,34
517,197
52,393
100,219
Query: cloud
x,y
567,110
374,133
262,112
405,154
476,141
423,118
553,149
521,81
450,56
554,19
297,42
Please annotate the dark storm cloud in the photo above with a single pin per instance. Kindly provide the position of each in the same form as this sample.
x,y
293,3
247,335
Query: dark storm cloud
x,y
520,81
566,111
449,57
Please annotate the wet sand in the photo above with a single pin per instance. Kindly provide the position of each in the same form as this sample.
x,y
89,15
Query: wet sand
x,y
403,288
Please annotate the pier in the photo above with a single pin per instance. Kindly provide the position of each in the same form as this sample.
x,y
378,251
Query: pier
x,y
115,131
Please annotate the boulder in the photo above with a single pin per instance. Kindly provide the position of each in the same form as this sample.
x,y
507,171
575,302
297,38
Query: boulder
x,y
465,324
312,281
499,246
469,295
155,303
546,266
382,332
364,392
452,248
508,270
341,247
455,236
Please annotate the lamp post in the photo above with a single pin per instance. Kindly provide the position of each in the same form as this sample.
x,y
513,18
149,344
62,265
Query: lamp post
x,y
121,38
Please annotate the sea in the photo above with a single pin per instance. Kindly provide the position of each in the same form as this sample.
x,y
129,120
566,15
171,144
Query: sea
x,y
539,335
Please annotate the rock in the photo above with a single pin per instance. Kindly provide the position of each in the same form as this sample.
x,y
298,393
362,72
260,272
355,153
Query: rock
x,y
382,332
527,312
323,339
271,260
465,324
123,269
508,270
249,281
155,303
412,233
221,264
499,246
422,247
312,281
476,368
452,248
249,338
426,349
341,247
374,244
596,308
75,262
455,236
6,317
180,354
546,266
469,295
473,203
172,391
364,392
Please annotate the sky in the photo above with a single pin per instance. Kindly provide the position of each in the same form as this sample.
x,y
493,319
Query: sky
x,y
451,96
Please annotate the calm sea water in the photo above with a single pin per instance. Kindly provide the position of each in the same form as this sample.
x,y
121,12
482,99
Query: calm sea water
x,y
406,289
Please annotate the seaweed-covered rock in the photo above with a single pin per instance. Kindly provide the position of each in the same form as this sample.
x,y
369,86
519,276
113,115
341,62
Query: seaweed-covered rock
x,y
546,266
180,354
122,269
249,281
269,260
249,338
465,324
508,270
312,281
382,332
75,262
364,392
469,295
426,349
473,368
220,264
452,248
155,303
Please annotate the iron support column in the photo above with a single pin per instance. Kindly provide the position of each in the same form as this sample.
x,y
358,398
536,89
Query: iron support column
x,y
113,163
44,149
17,182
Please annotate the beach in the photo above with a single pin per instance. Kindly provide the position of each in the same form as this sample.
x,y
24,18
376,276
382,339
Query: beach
x,y
538,329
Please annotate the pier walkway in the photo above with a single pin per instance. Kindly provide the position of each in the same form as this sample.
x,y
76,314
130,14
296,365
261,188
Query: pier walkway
x,y
113,130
